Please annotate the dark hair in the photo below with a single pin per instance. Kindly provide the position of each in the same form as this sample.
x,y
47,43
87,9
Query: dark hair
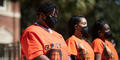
x,y
46,7
98,26
72,22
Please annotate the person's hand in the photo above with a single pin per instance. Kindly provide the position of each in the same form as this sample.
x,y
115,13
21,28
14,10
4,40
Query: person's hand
x,y
108,52
82,50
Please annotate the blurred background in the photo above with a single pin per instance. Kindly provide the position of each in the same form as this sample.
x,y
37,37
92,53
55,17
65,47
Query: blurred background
x,y
16,15
9,29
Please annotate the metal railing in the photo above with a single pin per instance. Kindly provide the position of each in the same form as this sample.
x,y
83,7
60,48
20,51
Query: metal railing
x,y
10,51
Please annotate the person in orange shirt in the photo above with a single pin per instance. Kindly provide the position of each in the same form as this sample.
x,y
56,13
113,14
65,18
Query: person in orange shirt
x,y
103,48
39,41
79,47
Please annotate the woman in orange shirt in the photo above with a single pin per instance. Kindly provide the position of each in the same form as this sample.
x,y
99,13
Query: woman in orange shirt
x,y
77,43
39,41
103,48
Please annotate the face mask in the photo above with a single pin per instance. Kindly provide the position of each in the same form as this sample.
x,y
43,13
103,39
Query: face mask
x,y
85,32
108,34
51,21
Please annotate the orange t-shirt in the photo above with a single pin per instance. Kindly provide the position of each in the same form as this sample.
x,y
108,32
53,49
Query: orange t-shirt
x,y
36,41
98,47
73,45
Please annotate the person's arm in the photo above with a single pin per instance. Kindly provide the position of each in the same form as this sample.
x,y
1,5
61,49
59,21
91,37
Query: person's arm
x,y
71,47
31,46
97,56
98,48
41,57
69,58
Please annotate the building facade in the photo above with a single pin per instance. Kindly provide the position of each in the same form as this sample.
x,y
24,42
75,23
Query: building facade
x,y
9,29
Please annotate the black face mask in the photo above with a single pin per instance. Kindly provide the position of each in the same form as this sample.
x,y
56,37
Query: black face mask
x,y
51,21
84,32
108,34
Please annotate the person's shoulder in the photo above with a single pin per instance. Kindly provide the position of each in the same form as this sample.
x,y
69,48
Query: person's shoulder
x,y
34,28
56,33
71,38
108,42
97,40
30,29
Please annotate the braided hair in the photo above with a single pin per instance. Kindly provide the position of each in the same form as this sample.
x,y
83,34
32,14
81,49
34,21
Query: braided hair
x,y
46,7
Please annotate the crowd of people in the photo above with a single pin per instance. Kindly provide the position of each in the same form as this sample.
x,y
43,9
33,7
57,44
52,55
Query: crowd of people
x,y
40,42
